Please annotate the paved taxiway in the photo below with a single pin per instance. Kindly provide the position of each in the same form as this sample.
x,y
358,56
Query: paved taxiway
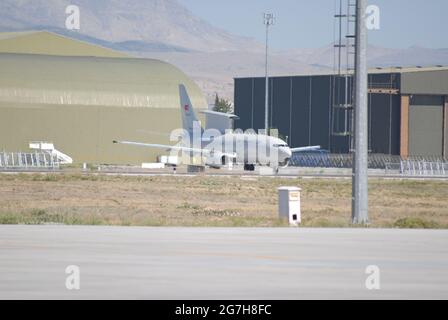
x,y
221,263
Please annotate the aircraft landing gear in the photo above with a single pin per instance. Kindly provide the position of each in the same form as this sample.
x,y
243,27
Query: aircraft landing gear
x,y
249,167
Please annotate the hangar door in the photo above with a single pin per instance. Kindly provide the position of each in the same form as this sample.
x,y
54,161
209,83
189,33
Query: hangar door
x,y
426,126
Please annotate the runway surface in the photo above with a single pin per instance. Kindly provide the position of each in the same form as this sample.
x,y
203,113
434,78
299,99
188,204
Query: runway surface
x,y
221,263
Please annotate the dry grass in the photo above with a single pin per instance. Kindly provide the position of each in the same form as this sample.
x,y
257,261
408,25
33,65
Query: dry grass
x,y
212,201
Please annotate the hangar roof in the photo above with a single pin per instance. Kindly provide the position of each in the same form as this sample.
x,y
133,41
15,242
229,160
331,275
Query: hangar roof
x,y
408,69
92,81
376,70
432,80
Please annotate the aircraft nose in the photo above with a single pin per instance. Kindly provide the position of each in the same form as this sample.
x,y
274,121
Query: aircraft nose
x,y
286,153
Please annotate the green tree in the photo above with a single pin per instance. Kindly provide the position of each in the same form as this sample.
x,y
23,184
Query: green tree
x,y
222,105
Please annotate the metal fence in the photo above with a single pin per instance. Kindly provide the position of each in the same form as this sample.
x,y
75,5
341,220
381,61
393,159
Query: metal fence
x,y
423,168
326,160
22,160
410,166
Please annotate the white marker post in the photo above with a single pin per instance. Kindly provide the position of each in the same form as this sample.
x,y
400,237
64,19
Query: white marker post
x,y
289,204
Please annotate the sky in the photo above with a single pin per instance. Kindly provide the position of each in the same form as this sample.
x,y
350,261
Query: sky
x,y
310,23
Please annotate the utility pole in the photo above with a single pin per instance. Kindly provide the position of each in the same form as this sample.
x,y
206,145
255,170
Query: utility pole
x,y
268,21
360,208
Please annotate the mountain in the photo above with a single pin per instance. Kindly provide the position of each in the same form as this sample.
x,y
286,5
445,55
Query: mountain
x,y
166,30
413,56
145,21
214,71
377,56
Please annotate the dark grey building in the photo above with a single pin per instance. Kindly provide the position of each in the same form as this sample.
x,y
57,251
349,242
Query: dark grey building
x,y
408,110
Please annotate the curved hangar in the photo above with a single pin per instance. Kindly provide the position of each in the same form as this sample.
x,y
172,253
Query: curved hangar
x,y
83,103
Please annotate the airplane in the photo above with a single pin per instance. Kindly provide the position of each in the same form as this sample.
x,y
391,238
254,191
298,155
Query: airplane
x,y
219,149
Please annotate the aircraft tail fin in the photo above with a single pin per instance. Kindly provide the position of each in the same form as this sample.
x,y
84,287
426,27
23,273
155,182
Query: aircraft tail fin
x,y
187,111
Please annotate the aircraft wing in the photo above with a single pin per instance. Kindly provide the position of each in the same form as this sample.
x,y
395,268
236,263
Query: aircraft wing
x,y
179,148
305,148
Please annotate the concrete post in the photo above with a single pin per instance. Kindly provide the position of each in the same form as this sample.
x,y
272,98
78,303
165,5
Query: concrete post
x,y
289,205
360,187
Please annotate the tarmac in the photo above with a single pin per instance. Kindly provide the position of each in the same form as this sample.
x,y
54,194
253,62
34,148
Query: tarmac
x,y
222,263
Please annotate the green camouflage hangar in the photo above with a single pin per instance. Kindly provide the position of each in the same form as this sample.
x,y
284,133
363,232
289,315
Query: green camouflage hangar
x,y
408,110
81,97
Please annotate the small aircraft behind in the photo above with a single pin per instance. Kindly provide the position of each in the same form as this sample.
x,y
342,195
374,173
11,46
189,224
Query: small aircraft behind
x,y
217,149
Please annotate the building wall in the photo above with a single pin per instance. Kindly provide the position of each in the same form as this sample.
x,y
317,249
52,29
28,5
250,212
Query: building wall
x,y
425,82
445,127
426,123
86,133
384,123
301,107
404,126
300,104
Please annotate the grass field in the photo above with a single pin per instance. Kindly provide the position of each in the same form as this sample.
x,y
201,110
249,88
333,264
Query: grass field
x,y
212,201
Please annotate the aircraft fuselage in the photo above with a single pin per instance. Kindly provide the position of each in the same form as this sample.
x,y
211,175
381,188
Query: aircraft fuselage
x,y
249,149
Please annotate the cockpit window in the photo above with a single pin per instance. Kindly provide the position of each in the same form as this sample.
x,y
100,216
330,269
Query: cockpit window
x,y
280,145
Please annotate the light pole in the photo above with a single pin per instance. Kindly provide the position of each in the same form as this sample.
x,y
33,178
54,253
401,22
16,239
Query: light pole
x,y
268,21
360,163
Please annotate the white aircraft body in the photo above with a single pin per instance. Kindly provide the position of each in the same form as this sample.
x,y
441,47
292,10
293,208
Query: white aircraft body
x,y
217,149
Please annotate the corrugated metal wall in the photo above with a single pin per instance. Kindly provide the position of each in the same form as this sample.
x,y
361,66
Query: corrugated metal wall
x,y
426,125
384,123
301,108
86,133
425,82
384,114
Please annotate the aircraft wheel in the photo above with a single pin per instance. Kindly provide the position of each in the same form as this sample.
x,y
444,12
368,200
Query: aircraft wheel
x,y
249,167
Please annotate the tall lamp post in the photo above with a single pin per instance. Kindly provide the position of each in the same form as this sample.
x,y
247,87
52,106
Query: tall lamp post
x,y
268,21
360,188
